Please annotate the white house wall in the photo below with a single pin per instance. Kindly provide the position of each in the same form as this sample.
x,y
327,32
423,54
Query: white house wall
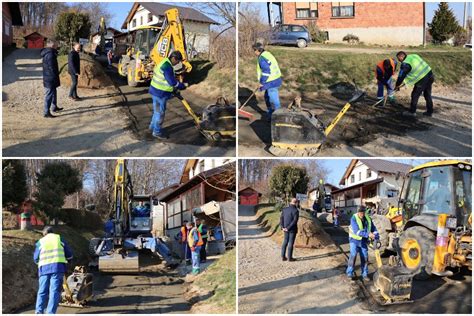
x,y
360,167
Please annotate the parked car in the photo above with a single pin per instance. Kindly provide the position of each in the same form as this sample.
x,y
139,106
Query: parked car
x,y
286,34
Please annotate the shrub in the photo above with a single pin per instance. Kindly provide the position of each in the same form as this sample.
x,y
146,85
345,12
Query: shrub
x,y
317,35
351,39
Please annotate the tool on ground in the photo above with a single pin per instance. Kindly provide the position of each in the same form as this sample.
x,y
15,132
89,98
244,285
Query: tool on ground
x,y
217,122
434,239
77,288
245,113
297,128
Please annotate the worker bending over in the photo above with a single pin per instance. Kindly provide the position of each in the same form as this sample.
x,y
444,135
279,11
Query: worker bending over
x,y
414,71
384,72
51,255
361,230
269,76
162,86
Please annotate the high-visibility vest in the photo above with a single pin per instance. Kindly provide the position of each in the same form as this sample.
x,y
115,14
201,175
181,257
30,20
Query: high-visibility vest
x,y
51,250
380,65
274,69
419,69
183,234
200,231
361,227
159,81
191,238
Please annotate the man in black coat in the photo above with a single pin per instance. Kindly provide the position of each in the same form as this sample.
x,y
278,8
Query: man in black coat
x,y
50,78
289,225
74,69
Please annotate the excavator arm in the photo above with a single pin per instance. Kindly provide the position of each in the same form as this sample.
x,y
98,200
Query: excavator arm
x,y
123,191
171,38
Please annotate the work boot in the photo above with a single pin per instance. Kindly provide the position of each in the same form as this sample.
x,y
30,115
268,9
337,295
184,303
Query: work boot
x,y
161,136
365,279
48,115
429,114
408,113
195,271
291,259
57,109
284,259
391,99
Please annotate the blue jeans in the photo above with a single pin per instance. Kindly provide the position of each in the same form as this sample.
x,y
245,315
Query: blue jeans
x,y
50,98
159,109
272,100
363,252
196,258
336,221
288,242
381,85
49,292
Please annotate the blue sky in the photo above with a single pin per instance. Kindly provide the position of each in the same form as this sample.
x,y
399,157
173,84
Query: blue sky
x,y
458,8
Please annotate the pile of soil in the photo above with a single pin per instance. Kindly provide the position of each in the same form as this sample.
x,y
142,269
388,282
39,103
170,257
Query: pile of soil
x,y
92,74
311,234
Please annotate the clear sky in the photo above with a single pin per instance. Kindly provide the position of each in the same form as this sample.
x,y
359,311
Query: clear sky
x,y
458,8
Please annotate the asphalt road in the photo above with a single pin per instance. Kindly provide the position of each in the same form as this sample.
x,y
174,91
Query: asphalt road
x,y
437,295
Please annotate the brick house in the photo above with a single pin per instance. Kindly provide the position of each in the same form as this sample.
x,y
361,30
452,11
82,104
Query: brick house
x,y
389,23
11,16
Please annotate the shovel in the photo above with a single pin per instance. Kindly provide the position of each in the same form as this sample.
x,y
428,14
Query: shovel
x,y
245,113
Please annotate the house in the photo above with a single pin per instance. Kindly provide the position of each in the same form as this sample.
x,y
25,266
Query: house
x,y
384,23
109,37
372,182
197,26
249,196
202,181
313,194
35,40
11,16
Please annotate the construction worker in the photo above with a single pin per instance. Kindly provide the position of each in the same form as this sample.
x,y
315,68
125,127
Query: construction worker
x,y
195,243
202,227
50,78
74,69
335,217
183,235
414,71
361,229
269,76
51,255
384,72
163,84
289,224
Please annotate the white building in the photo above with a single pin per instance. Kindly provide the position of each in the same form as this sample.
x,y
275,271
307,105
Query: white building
x,y
197,26
369,182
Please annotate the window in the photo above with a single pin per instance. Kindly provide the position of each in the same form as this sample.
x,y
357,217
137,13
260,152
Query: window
x,y
6,28
343,9
297,28
306,10
352,178
174,214
369,173
141,20
360,176
150,17
134,23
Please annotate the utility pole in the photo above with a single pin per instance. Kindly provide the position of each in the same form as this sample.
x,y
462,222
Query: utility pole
x,y
464,22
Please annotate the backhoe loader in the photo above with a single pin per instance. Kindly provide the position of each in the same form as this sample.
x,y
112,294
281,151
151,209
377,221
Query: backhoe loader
x,y
118,250
152,45
436,235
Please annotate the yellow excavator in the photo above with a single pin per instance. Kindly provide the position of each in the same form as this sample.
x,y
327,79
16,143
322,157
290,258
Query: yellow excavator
x,y
436,235
153,44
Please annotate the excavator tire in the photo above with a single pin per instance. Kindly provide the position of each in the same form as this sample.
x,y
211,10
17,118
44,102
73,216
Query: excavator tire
x,y
383,226
417,247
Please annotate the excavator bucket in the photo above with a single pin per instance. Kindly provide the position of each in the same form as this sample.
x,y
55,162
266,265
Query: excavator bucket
x,y
119,262
77,288
394,284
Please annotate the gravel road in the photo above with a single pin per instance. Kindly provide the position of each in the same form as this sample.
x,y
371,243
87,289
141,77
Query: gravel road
x,y
315,283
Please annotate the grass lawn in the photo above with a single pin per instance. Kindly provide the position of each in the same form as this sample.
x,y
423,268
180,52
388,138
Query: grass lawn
x,y
221,277
206,76
312,70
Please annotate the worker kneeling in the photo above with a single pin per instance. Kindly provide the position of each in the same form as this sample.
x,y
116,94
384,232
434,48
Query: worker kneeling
x,y
162,86
361,230
51,255
195,243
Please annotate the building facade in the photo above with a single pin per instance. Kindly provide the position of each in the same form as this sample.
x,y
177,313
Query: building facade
x,y
383,23
11,15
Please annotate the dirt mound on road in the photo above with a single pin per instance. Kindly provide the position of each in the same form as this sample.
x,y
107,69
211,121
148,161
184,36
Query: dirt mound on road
x,y
92,74
311,234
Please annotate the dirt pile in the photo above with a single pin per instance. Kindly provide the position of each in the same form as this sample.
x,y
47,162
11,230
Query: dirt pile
x,y
92,75
9,221
311,234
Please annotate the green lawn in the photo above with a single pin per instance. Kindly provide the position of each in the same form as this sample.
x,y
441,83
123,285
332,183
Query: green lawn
x,y
221,277
312,71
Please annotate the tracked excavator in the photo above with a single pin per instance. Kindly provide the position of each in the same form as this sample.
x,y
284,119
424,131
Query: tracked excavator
x,y
130,229
435,238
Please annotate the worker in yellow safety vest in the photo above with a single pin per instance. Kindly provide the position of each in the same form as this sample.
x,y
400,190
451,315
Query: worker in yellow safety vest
x,y
202,228
269,77
195,243
162,86
416,72
361,229
51,255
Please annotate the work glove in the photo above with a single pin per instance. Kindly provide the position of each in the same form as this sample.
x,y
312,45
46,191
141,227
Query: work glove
x,y
261,88
193,249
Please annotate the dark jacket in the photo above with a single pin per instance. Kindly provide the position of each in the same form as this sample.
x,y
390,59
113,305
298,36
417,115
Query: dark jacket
x,y
50,68
289,218
74,63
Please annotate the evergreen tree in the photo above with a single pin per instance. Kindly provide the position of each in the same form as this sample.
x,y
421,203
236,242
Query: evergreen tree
x,y
444,24
71,26
14,189
287,180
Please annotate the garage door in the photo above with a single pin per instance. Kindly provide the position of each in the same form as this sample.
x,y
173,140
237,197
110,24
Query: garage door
x,y
249,199
35,43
